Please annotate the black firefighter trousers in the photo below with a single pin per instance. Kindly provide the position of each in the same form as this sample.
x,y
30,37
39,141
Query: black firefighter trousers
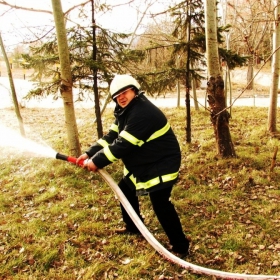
x,y
164,211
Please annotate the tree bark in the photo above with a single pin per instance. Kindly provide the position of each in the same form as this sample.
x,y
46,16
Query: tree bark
x,y
66,80
188,82
250,74
13,90
95,70
272,111
196,106
215,86
220,117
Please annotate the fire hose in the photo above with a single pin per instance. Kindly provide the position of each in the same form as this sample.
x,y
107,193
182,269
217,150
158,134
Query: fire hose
x,y
154,242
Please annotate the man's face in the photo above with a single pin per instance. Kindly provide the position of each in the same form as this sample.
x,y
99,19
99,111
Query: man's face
x,y
125,97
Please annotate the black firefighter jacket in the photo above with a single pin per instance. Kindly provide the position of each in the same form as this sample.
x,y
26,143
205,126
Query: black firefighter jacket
x,y
142,137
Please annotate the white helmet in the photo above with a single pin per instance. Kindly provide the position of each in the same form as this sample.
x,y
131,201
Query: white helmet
x,y
121,83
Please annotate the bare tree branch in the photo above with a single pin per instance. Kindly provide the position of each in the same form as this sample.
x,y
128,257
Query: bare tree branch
x,y
3,2
76,6
39,38
139,22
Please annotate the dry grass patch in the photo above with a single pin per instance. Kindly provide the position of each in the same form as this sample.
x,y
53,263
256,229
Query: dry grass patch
x,y
57,219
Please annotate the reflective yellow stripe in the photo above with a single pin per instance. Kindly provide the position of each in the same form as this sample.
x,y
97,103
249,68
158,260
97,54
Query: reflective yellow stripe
x,y
159,132
103,143
114,127
135,141
148,184
169,177
133,180
152,182
109,155
130,138
125,171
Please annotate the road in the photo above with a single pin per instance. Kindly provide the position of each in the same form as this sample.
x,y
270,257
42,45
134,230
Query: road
x,y
23,86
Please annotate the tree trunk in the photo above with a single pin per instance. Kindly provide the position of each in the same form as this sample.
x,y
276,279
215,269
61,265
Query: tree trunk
x,y
230,90
14,95
188,114
178,93
188,82
196,107
250,74
215,85
220,117
94,70
272,111
66,80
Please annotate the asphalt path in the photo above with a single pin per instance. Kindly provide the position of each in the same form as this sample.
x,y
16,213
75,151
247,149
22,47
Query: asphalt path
x,y
23,86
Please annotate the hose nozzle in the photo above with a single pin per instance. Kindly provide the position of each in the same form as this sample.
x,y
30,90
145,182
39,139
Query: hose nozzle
x,y
69,159
61,156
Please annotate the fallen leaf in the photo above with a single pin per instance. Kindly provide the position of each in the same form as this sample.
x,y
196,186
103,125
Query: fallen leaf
x,y
126,261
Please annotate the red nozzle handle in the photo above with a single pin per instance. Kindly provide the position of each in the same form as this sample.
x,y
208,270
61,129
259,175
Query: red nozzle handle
x,y
72,159
69,159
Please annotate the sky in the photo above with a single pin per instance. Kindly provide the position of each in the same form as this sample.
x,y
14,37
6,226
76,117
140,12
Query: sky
x,y
17,26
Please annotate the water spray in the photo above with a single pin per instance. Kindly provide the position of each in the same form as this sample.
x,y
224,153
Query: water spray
x,y
154,243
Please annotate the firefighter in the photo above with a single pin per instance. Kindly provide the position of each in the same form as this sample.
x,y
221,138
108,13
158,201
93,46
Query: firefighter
x,y
143,139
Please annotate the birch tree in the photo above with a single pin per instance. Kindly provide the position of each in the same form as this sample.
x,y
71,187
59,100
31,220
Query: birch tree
x,y
275,68
12,86
215,86
66,80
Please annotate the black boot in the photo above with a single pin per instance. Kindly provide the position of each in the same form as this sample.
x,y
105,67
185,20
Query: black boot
x,y
182,249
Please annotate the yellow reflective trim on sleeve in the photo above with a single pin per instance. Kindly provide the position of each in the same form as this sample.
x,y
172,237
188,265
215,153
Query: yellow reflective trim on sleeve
x,y
103,143
131,139
159,133
125,171
109,155
114,127
133,180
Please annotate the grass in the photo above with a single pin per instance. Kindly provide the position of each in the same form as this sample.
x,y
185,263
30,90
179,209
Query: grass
x,y
57,220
